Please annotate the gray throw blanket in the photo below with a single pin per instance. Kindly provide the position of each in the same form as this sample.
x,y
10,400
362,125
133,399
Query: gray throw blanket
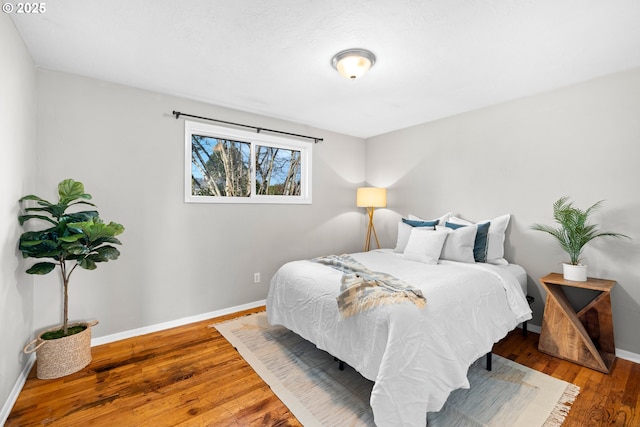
x,y
363,289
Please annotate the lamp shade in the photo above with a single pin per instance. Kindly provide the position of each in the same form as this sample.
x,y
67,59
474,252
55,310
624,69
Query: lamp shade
x,y
371,197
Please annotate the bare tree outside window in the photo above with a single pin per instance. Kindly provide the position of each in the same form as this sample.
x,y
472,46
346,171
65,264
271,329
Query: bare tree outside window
x,y
277,171
220,167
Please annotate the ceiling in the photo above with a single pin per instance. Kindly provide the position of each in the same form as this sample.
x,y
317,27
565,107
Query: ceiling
x,y
435,58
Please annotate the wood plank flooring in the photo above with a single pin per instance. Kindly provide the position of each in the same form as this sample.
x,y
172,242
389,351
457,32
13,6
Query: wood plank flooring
x,y
191,376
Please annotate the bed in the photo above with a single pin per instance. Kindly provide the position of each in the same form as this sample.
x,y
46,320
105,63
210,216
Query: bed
x,y
415,356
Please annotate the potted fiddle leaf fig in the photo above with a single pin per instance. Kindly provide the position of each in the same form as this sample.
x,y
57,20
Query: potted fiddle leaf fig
x,y
66,241
573,233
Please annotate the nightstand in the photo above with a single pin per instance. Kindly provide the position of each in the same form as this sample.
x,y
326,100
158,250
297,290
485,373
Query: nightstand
x,y
585,337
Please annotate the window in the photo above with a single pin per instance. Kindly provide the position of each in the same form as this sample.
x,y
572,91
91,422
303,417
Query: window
x,y
224,165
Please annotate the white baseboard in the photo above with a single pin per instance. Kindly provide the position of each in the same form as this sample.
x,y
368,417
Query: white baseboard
x,y
627,355
17,388
172,324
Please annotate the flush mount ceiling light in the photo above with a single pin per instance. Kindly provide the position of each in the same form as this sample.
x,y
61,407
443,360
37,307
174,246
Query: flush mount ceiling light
x,y
353,63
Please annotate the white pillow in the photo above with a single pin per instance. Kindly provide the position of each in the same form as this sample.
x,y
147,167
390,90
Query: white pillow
x,y
495,238
459,244
425,245
441,220
404,230
495,249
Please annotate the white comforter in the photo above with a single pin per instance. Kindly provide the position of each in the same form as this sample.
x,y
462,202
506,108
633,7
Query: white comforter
x,y
415,357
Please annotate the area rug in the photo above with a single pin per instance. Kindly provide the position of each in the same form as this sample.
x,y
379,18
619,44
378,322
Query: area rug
x,y
309,383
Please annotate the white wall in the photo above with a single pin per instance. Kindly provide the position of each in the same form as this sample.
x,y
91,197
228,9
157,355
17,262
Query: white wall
x,y
177,259
17,178
519,157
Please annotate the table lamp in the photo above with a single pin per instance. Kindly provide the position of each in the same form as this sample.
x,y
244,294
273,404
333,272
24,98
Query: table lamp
x,y
371,198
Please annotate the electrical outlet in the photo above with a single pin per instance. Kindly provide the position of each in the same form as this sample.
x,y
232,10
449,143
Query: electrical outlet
x,y
256,277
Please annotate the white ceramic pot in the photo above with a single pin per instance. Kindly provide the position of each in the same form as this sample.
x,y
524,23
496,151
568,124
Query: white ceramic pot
x,y
576,273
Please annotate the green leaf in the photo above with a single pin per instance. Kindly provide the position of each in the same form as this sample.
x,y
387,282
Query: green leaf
x,y
71,238
79,216
36,198
97,258
87,264
108,252
32,243
53,254
102,240
113,240
42,268
96,229
82,202
70,190
76,248
24,218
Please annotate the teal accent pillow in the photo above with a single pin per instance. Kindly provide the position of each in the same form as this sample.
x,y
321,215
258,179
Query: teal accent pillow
x,y
480,245
415,223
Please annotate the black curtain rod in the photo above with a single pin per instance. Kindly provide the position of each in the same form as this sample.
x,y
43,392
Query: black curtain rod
x,y
257,129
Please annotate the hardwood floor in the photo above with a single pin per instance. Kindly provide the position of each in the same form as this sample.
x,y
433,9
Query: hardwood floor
x,y
191,376
604,400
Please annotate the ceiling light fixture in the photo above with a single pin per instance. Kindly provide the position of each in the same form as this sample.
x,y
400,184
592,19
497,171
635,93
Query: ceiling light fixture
x,y
353,63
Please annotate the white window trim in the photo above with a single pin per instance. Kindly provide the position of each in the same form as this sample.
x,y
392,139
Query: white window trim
x,y
306,154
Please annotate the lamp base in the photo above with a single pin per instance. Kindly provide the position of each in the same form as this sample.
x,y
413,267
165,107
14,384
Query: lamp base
x,y
370,229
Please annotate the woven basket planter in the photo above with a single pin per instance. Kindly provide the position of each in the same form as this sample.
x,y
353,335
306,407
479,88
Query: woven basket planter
x,y
62,356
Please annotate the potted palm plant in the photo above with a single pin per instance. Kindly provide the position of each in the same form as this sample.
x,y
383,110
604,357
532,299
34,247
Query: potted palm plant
x,y
69,240
573,233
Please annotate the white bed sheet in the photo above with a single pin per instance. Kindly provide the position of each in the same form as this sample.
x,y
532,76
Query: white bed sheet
x,y
518,272
415,357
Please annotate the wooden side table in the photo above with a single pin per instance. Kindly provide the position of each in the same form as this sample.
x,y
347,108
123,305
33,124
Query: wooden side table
x,y
585,337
